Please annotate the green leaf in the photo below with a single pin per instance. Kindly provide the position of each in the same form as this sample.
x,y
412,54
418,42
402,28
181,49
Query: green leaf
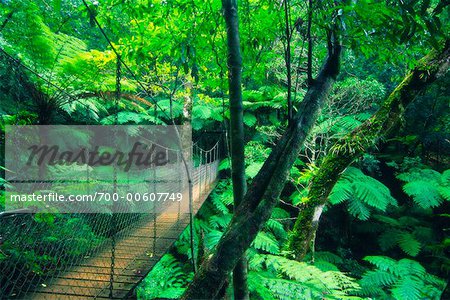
x,y
267,242
409,244
253,169
249,119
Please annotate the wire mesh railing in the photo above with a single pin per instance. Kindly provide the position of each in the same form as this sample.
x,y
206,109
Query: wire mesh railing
x,y
43,255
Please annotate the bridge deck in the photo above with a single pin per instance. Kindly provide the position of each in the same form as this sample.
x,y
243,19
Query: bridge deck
x,y
137,250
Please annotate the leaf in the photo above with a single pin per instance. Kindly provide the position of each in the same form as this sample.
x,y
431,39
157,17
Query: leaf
x,y
358,209
382,262
253,169
409,244
424,193
224,164
201,112
249,119
266,241
407,289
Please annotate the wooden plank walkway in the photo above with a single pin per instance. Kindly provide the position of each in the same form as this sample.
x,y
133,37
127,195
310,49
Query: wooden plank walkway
x,y
137,250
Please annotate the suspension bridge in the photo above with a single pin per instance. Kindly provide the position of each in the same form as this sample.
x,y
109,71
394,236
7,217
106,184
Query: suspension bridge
x,y
98,255
97,263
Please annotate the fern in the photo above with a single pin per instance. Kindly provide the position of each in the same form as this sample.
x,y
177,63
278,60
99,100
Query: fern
x,y
407,289
177,108
212,238
276,228
408,243
444,188
166,280
249,119
253,169
308,280
403,279
266,242
403,232
362,193
201,112
358,209
427,188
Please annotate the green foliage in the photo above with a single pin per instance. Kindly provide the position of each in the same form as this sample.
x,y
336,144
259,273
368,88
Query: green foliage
x,y
176,58
362,194
404,279
266,242
166,280
289,279
406,232
428,188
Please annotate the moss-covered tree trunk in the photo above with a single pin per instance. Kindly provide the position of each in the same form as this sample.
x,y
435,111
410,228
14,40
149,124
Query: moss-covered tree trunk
x,y
230,8
263,194
350,147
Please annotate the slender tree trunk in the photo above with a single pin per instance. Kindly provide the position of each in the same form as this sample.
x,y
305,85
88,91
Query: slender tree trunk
x,y
310,46
287,58
357,142
263,194
230,8
186,129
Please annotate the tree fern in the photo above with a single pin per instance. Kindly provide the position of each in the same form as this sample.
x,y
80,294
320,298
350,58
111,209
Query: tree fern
x,y
307,280
362,194
427,187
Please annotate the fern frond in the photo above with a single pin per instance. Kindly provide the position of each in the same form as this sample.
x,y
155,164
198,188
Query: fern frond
x,y
406,267
362,193
383,263
407,289
266,242
389,238
408,243
340,193
253,169
328,256
358,209
212,238
277,228
249,119
201,112
220,221
424,193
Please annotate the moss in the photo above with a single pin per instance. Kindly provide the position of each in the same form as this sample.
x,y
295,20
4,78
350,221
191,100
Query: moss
x,y
354,144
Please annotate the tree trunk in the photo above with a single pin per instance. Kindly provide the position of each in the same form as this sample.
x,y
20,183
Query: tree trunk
x,y
310,45
263,194
230,8
287,58
357,142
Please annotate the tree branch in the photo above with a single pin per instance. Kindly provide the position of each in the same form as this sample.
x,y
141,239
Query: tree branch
x,y
265,190
350,147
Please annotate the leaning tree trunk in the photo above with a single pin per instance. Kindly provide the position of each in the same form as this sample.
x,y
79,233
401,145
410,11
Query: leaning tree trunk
x,y
263,193
354,144
230,8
